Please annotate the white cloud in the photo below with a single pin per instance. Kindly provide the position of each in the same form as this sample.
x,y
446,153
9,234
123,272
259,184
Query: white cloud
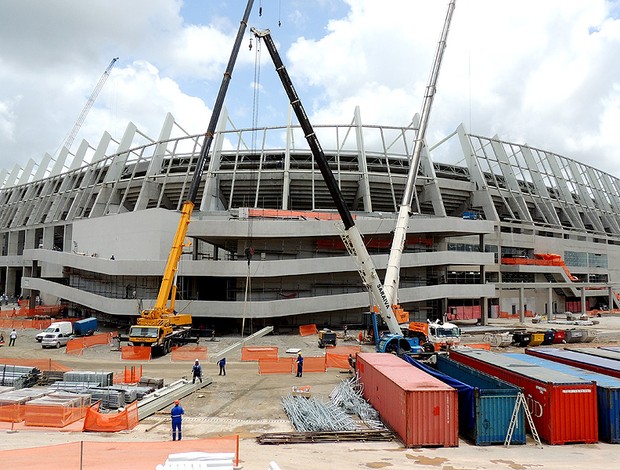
x,y
541,72
530,71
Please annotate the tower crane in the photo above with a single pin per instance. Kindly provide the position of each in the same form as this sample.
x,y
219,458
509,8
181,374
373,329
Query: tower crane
x,y
89,104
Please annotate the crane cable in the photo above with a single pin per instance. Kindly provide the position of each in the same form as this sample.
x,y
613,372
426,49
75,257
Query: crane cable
x,y
249,251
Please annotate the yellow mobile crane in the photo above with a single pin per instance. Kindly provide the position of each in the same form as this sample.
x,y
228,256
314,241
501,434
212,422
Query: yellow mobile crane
x,y
161,326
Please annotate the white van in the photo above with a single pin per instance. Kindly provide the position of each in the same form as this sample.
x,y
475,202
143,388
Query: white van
x,y
65,328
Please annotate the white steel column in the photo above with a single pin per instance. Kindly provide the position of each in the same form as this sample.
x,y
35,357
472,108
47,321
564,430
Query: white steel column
x,y
361,161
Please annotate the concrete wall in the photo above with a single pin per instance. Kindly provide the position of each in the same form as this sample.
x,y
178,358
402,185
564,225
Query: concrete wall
x,y
137,235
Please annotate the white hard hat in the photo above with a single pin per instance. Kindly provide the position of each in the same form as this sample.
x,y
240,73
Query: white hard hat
x,y
196,360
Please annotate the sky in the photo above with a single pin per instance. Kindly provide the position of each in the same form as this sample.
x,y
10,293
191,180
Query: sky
x,y
541,73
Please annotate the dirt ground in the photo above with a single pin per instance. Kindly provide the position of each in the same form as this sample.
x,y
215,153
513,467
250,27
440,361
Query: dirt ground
x,y
248,404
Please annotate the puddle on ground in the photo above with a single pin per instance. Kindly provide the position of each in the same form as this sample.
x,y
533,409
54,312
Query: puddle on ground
x,y
515,465
423,460
378,464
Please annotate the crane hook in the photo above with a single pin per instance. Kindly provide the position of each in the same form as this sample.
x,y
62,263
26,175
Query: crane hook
x,y
250,44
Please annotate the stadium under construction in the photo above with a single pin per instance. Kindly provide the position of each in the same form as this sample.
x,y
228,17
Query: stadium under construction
x,y
509,229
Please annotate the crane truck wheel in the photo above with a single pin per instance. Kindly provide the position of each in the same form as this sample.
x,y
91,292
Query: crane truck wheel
x,y
428,347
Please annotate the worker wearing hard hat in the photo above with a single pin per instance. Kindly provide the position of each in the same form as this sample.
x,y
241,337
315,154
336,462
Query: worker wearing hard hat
x,y
176,414
196,371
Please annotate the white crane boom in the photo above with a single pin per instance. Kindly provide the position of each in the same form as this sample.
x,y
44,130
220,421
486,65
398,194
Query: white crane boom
x,y
390,284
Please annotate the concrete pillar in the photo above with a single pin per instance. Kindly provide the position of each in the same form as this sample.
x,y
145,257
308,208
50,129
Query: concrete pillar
x,y
484,314
11,279
550,304
583,300
29,240
48,238
522,304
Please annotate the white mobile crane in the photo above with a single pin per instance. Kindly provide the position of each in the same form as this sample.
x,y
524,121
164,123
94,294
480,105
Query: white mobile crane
x,y
381,302
434,334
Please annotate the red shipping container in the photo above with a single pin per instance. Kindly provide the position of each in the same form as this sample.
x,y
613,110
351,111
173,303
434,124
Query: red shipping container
x,y
563,407
420,409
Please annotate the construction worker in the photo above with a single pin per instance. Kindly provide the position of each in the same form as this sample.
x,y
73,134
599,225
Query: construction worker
x,y
222,364
196,371
176,414
12,337
300,364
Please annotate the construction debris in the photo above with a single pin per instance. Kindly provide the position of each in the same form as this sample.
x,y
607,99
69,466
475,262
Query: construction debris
x,y
326,436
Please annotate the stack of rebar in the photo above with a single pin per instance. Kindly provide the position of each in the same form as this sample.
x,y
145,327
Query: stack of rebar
x,y
348,395
312,415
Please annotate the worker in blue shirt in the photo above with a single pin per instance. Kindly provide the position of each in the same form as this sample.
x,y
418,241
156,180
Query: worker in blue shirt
x,y
196,371
222,364
300,364
176,414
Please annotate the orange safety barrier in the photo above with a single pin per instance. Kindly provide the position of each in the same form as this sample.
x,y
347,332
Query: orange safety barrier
x,y
136,353
338,357
50,311
21,324
41,364
122,455
257,352
189,352
314,364
111,422
77,345
130,375
12,413
54,416
307,330
279,365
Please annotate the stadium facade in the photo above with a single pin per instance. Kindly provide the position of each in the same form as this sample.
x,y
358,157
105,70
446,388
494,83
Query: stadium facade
x,y
92,231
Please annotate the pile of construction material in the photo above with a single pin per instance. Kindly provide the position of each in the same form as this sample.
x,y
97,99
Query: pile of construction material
x,y
200,460
100,386
18,376
308,414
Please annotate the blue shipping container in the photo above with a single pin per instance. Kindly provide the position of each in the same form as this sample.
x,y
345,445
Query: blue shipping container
x,y
487,416
85,327
607,394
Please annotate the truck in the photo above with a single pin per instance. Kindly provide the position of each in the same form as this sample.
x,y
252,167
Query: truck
x,y
381,302
85,327
161,326
160,333
64,328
